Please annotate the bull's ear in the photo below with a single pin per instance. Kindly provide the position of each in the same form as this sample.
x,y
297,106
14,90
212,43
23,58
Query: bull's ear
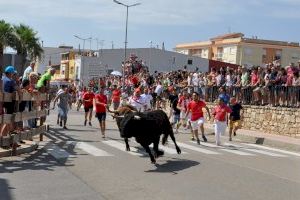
x,y
137,117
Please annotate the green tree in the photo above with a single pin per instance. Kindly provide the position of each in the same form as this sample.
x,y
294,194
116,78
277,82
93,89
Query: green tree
x,y
27,43
7,38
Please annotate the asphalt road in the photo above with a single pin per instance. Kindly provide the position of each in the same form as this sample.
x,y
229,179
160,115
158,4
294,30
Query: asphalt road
x,y
79,164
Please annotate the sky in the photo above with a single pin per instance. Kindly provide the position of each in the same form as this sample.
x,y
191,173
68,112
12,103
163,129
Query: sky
x,y
168,21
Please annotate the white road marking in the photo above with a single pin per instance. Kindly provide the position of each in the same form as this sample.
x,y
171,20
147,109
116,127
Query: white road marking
x,y
122,147
222,148
198,149
256,150
57,152
90,149
273,149
166,149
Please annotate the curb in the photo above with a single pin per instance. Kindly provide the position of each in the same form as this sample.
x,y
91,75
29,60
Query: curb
x,y
24,148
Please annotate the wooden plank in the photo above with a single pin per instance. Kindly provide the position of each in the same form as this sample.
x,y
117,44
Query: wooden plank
x,y
26,135
7,118
6,141
6,97
18,117
26,96
29,115
42,113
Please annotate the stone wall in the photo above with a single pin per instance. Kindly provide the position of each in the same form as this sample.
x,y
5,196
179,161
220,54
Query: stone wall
x,y
273,120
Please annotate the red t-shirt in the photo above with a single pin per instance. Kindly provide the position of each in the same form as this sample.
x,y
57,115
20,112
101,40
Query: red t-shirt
x,y
220,112
195,107
90,97
183,103
134,80
116,95
254,79
102,99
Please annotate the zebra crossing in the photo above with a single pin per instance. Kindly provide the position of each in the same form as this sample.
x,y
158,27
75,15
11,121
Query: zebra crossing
x,y
103,149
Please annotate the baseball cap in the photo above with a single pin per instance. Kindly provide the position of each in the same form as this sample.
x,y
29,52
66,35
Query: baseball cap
x,y
10,69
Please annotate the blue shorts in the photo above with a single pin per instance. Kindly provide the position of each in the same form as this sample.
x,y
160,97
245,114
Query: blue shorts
x,y
63,113
101,116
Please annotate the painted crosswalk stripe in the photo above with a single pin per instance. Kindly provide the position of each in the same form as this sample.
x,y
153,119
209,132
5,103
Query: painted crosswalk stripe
x,y
273,149
198,149
90,149
57,152
166,149
122,147
256,150
222,148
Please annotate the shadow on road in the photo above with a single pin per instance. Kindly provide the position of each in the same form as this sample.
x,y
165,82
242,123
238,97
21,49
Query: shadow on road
x,y
38,160
174,166
4,190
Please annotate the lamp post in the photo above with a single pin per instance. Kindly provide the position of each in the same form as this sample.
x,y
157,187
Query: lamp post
x,y
82,65
125,49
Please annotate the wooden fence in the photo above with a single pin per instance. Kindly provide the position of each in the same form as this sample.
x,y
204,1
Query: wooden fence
x,y
11,140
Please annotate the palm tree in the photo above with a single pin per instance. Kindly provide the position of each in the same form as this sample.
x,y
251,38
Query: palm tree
x,y
7,38
27,43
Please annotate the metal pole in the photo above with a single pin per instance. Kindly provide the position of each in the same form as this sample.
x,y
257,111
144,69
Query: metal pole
x,y
125,50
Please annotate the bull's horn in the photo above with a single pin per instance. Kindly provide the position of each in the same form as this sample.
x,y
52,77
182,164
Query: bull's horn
x,y
137,117
119,117
115,112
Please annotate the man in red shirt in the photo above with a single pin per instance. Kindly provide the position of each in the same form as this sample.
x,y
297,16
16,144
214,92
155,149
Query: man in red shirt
x,y
116,97
88,98
197,119
220,114
101,103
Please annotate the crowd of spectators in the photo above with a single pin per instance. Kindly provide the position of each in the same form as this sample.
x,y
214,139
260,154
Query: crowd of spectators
x,y
270,85
30,82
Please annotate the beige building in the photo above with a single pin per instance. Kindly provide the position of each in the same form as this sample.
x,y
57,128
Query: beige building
x,y
236,49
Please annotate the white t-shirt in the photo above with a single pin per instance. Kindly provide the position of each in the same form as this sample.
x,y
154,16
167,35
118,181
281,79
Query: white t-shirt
x,y
158,90
26,73
139,103
148,98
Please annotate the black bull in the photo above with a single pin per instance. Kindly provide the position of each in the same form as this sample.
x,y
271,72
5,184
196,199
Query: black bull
x,y
147,127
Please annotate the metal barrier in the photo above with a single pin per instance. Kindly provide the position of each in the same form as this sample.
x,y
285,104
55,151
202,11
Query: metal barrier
x,y
275,95
16,104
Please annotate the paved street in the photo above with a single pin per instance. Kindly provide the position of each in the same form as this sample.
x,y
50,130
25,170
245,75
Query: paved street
x,y
79,164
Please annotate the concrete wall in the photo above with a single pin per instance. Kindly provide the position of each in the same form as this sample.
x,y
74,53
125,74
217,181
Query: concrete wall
x,y
290,55
156,59
229,54
251,55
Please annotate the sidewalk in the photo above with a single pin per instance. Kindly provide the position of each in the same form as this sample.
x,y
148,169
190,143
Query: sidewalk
x,y
266,136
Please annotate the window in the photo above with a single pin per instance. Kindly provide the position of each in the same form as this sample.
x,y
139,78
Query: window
x,y
295,56
264,56
278,55
220,53
190,62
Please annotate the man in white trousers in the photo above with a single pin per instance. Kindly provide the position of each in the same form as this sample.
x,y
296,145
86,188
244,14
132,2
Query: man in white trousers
x,y
220,112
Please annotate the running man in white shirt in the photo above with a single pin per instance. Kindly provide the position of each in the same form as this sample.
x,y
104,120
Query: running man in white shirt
x,y
148,98
137,101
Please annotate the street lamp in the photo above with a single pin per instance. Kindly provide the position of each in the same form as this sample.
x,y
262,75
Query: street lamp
x,y
82,64
83,39
125,49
